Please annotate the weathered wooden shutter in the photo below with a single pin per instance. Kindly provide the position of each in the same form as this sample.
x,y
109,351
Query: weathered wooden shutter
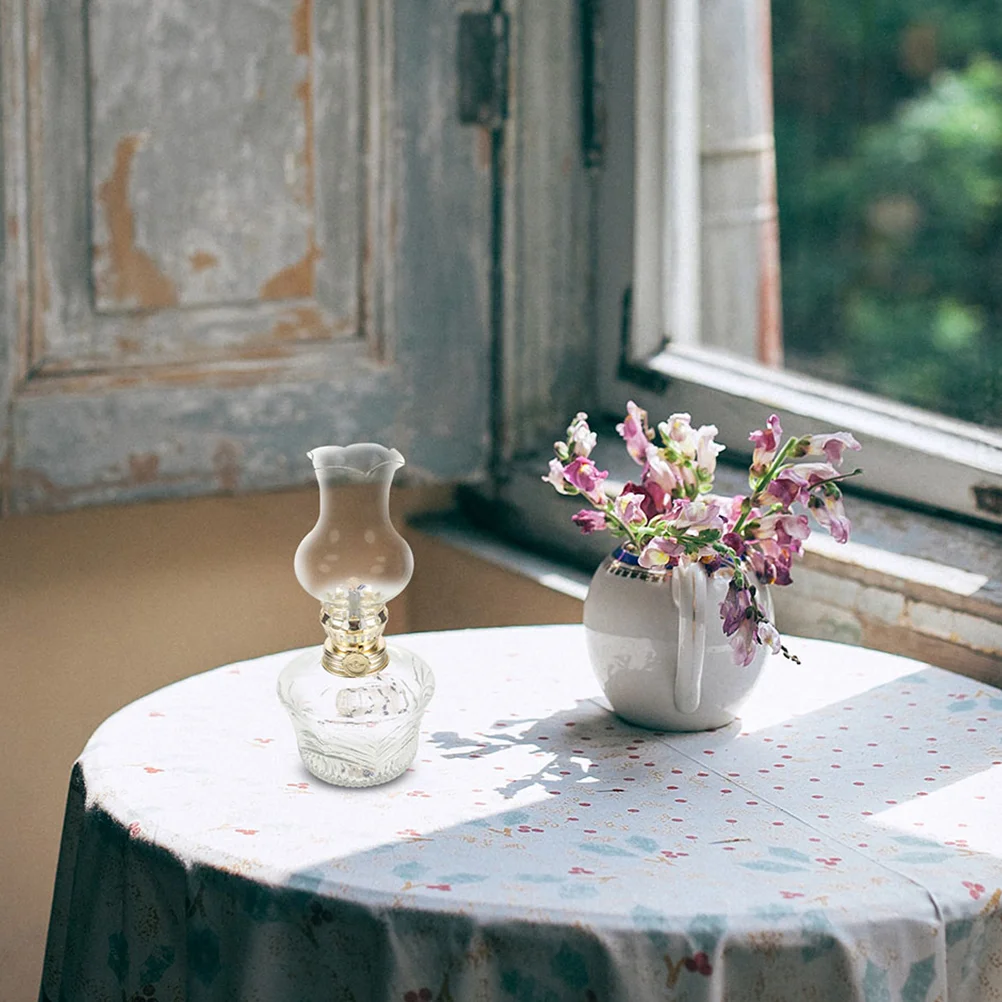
x,y
234,231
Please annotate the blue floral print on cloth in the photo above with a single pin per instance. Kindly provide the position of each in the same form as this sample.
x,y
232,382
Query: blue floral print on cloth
x,y
842,841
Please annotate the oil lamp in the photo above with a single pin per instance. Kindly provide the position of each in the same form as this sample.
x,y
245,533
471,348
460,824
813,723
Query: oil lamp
x,y
356,702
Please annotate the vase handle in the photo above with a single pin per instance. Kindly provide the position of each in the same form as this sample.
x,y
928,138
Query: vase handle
x,y
688,592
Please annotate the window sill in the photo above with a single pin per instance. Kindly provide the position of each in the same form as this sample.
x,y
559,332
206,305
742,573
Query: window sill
x,y
909,583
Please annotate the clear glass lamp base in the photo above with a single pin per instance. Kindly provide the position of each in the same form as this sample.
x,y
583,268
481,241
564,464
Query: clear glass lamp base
x,y
357,731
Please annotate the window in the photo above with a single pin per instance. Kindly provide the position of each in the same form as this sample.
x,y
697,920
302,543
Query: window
x,y
698,300
582,330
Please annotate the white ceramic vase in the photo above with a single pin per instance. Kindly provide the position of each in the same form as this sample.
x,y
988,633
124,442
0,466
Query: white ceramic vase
x,y
658,648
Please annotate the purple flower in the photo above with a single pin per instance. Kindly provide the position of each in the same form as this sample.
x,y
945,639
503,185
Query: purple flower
x,y
668,551
653,495
828,511
766,445
786,527
738,615
660,471
735,542
831,445
635,432
589,520
743,644
629,508
732,508
816,473
771,560
696,514
661,551
734,608
785,488
583,474
794,483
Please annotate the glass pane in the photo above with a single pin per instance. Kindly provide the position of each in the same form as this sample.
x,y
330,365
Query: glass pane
x,y
889,159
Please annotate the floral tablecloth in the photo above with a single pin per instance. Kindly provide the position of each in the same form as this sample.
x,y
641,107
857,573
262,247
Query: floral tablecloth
x,y
842,841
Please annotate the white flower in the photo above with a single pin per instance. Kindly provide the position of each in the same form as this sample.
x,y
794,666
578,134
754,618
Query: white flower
x,y
707,449
556,476
768,635
580,437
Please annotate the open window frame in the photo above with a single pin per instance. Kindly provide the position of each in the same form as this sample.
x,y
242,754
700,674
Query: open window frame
x,y
924,583
699,330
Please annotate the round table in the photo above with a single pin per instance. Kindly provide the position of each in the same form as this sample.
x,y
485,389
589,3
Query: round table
x,y
843,840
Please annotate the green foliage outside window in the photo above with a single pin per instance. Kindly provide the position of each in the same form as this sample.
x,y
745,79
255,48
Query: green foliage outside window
x,y
889,160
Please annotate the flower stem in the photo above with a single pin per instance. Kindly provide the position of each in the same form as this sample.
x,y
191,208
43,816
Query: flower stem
x,y
764,482
833,480
610,513
774,468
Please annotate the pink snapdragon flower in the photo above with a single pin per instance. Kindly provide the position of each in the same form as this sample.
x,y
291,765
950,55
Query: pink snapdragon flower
x,y
828,510
693,517
664,551
660,471
786,488
629,508
588,520
784,525
685,462
767,443
677,432
583,474
771,560
579,476
669,519
831,445
735,542
735,608
738,615
696,514
795,483
771,542
635,432
654,497
660,552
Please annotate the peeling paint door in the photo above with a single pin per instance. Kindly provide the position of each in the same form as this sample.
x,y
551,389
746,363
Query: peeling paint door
x,y
235,231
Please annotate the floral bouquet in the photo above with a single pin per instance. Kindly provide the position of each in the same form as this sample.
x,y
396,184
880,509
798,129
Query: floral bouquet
x,y
671,518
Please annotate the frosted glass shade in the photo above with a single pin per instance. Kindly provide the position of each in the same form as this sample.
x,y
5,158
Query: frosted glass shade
x,y
353,554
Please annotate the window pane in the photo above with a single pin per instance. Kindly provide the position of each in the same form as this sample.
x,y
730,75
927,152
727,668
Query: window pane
x,y
888,122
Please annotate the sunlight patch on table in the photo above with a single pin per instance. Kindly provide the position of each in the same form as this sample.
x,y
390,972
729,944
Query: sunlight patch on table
x,y
934,816
787,690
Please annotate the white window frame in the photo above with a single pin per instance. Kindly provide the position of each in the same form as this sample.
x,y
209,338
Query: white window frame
x,y
908,453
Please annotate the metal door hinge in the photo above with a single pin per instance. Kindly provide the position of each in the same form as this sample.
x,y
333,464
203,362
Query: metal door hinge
x,y
483,69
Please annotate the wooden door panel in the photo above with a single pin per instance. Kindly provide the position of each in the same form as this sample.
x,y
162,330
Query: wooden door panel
x,y
235,231
204,153
176,180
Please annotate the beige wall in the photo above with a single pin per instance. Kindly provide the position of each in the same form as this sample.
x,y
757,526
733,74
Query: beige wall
x,y
100,606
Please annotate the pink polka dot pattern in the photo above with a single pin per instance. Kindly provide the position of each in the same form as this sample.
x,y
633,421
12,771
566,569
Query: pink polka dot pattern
x,y
845,836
